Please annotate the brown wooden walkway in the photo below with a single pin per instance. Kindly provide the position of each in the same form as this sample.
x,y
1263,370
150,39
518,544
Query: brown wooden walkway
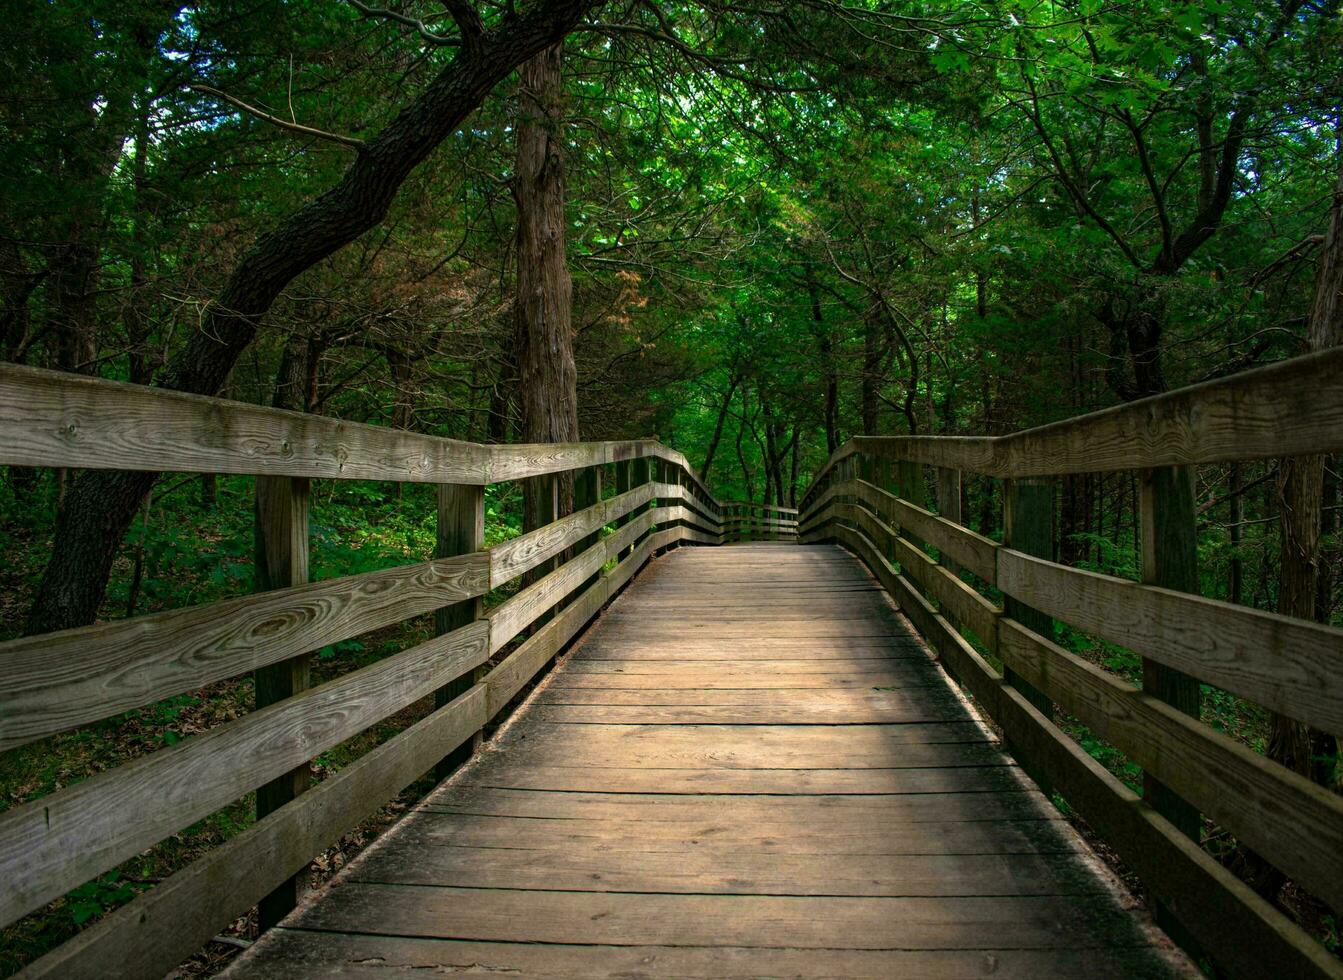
x,y
749,766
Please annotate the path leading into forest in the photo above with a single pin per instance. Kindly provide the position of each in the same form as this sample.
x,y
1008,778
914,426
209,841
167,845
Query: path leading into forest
x,y
751,765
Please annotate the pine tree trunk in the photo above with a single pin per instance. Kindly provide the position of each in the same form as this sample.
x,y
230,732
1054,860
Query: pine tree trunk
x,y
548,377
1301,496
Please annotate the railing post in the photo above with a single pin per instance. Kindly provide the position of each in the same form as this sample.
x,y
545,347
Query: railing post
x,y
587,492
461,531
640,473
1028,526
949,506
281,538
1170,559
912,490
624,469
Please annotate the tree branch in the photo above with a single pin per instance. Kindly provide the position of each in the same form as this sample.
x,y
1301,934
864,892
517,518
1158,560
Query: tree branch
x,y
293,127
443,40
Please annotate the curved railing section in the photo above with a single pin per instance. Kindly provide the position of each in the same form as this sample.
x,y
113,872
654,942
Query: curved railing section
x,y
872,498
744,521
475,666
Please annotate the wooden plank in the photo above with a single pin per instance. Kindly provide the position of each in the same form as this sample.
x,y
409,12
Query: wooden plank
x,y
974,551
362,956
1292,822
707,681
59,680
904,809
624,867
1044,922
728,668
61,840
1285,664
514,614
761,746
805,713
512,558
512,673
497,772
154,933
52,418
846,834
923,689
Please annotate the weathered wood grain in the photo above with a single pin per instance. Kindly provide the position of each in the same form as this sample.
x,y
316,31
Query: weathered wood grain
x,y
59,680
158,930
459,530
1291,821
637,779
512,558
1291,408
517,612
1288,665
729,870
52,418
281,537
974,551
54,843
364,956
753,920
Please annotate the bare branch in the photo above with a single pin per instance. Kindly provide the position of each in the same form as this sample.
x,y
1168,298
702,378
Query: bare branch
x,y
293,127
443,40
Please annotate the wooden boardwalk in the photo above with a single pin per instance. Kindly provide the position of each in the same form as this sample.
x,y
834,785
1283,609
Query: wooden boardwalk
x,y
750,766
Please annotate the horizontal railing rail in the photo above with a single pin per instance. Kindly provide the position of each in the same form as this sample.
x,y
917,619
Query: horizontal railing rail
x,y
948,579
745,521
480,661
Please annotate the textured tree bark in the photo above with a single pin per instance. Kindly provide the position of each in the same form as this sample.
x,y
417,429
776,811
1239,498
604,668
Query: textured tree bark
x,y
1301,496
542,311
100,505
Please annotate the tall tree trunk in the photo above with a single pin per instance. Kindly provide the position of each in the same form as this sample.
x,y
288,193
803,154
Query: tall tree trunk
x,y
871,380
723,408
1235,589
1301,495
548,377
101,504
826,343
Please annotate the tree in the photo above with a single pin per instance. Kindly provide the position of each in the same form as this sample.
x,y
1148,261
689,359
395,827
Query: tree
x,y
101,505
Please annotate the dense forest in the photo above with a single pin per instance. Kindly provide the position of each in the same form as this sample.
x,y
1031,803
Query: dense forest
x,y
751,231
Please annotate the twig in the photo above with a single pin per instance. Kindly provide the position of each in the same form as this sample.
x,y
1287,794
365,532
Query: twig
x,y
444,40
293,127
232,941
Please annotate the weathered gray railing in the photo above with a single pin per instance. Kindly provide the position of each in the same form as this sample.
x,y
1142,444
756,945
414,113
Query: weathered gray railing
x,y
58,681
744,521
870,497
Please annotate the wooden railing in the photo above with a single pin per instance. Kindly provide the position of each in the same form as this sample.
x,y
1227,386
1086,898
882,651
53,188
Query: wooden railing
x,y
758,522
58,681
870,497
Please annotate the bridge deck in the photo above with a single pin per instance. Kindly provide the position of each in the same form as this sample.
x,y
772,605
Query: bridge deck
x,y
750,766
